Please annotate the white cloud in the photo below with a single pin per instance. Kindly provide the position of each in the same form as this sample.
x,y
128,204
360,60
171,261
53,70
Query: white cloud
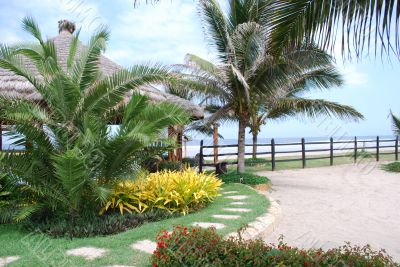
x,y
352,75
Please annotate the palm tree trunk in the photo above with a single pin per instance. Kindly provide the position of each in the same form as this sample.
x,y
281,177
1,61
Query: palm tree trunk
x,y
241,144
255,137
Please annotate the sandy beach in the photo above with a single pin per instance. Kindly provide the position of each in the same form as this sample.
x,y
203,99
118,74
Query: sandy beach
x,y
325,207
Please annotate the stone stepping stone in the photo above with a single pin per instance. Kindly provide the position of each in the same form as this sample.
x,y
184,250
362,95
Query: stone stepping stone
x,y
147,246
238,203
237,197
88,253
230,192
208,225
6,260
226,217
237,209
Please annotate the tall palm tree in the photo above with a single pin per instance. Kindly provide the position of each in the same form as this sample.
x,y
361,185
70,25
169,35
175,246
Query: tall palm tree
x,y
73,159
396,123
289,100
361,23
248,72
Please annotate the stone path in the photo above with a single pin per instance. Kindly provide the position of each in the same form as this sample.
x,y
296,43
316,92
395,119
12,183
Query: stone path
x,y
7,260
89,253
226,217
237,209
229,192
237,197
147,246
208,225
239,203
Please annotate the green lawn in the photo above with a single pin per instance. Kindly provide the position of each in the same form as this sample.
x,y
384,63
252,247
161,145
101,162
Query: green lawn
x,y
312,163
41,250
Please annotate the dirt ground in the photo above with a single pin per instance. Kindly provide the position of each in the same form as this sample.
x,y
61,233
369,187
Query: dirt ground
x,y
326,207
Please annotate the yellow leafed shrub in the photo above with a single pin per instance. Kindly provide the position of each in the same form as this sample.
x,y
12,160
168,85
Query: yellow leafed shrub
x,y
174,191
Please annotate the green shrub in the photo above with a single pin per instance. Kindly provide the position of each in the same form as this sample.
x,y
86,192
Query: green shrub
x,y
245,178
257,161
392,167
191,162
204,247
170,166
109,224
71,159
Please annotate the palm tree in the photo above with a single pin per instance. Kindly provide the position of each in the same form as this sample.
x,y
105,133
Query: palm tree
x,y
361,23
289,101
248,72
73,158
396,123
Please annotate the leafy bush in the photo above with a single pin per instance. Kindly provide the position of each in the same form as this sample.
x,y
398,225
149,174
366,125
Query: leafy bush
x,y
245,178
94,225
72,159
170,166
190,162
392,167
257,161
174,191
204,247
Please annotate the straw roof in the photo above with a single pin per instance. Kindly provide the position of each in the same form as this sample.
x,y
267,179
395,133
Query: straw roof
x,y
15,86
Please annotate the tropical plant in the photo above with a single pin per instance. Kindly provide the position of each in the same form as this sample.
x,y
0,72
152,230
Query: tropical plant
x,y
173,191
396,123
194,246
248,73
319,73
360,23
72,158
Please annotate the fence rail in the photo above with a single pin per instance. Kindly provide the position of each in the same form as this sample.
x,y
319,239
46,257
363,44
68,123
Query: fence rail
x,y
355,149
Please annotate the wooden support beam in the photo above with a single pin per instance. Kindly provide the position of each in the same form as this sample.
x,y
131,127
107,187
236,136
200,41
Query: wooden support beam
x,y
171,154
179,137
215,142
1,136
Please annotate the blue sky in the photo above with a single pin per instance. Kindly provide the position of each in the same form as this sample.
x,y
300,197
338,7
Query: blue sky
x,y
166,32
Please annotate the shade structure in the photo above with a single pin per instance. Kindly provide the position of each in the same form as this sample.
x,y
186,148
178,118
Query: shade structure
x,y
15,86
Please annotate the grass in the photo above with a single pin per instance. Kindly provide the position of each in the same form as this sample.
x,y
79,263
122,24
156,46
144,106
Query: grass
x,y
41,250
339,159
392,167
245,178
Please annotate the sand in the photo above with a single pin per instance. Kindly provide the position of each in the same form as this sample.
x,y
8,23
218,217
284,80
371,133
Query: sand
x,y
325,207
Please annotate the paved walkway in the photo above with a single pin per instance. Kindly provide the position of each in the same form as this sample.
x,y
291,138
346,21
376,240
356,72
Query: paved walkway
x,y
325,207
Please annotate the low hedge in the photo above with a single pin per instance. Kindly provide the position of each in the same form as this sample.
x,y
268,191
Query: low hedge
x,y
244,178
392,167
204,247
89,226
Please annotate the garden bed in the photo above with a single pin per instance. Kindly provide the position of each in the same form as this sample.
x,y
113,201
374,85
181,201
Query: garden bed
x,y
39,250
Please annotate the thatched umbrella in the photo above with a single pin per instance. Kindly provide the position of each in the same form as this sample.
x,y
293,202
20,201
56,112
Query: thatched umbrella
x,y
15,86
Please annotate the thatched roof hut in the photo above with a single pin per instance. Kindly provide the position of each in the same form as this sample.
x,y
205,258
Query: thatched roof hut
x,y
12,85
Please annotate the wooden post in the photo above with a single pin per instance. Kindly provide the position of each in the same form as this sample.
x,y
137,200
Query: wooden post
x,y
201,157
179,136
1,136
396,148
171,154
331,152
303,152
215,139
273,153
377,148
355,149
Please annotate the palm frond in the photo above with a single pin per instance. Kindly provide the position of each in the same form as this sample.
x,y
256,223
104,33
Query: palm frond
x,y
362,23
396,123
312,108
